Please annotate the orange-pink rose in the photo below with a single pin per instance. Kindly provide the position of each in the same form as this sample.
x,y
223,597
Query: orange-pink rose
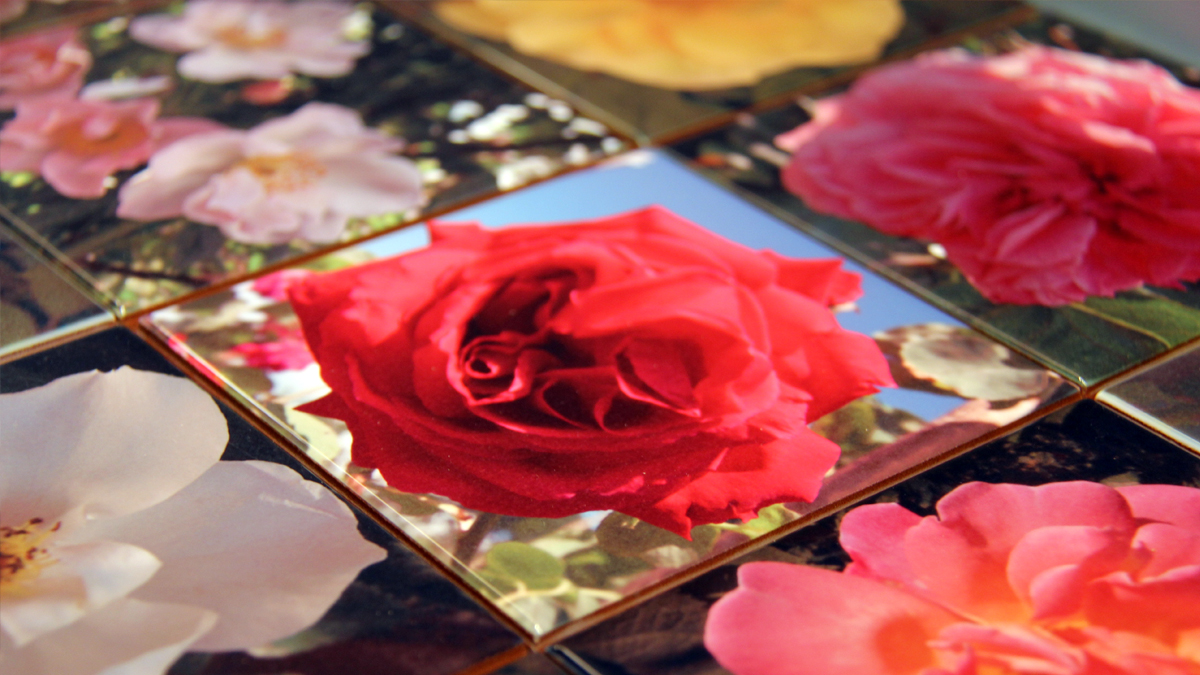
x,y
1048,175
1063,579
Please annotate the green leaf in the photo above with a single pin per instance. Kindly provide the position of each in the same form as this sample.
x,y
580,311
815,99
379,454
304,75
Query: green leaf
x,y
532,566
769,519
624,535
1166,320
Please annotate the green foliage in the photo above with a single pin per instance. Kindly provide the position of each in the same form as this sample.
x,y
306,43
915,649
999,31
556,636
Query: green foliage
x,y
516,561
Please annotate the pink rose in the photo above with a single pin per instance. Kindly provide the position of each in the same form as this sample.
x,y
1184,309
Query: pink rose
x,y
232,40
636,362
275,285
283,349
50,64
1048,175
77,145
1062,579
302,176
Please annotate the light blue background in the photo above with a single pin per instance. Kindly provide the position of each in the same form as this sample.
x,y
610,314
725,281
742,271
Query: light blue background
x,y
652,177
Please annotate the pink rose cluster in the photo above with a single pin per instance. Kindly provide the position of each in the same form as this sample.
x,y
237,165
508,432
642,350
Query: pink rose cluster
x,y
1069,578
1047,175
301,176
75,145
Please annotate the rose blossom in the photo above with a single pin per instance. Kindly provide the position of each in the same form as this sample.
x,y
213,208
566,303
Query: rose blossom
x,y
1063,579
1047,175
77,145
636,362
125,542
230,40
49,64
302,176
685,44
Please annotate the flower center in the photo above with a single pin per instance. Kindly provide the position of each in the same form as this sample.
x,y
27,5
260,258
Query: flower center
x,y
239,37
284,173
92,137
22,556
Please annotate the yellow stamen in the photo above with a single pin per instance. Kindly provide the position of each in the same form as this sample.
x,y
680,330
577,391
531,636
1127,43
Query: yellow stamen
x,y
22,554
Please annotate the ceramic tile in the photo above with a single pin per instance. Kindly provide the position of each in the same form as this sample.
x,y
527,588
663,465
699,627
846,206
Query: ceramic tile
x,y
536,487
663,107
534,664
383,124
398,615
1165,398
1084,442
1087,340
38,303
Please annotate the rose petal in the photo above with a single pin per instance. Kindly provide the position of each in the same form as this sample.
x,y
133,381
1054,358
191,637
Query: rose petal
x,y
81,579
789,619
128,439
126,637
266,550
962,557
873,535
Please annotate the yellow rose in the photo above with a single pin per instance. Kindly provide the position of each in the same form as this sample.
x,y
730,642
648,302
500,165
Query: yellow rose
x,y
684,44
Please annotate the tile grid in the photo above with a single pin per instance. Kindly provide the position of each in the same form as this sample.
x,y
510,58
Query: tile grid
x,y
548,642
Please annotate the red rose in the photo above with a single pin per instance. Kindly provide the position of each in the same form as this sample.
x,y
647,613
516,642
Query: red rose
x,y
1048,175
637,363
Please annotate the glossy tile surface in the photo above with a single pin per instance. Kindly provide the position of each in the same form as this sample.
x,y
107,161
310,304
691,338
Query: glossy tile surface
x,y
37,302
954,386
454,132
654,113
398,616
1085,442
1086,341
1165,398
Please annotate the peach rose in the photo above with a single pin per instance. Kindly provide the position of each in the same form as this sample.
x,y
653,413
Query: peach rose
x,y
685,44
1063,579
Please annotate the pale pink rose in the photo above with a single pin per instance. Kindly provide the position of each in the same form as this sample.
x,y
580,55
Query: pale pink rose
x,y
229,40
1047,175
1063,579
49,64
77,145
302,176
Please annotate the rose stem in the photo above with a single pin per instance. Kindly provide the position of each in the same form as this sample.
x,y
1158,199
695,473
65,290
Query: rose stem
x,y
464,551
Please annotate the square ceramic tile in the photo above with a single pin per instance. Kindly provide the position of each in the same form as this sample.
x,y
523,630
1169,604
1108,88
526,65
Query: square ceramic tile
x,y
1050,297
658,93
1091,468
40,303
197,152
1165,398
572,411
655,95
243,565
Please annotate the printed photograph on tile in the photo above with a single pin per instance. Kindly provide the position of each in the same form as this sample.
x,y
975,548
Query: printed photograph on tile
x,y
1067,545
576,391
1165,398
39,302
657,70
171,150
1037,182
145,529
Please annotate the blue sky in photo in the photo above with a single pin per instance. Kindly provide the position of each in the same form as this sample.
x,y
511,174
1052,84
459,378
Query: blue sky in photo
x,y
647,177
